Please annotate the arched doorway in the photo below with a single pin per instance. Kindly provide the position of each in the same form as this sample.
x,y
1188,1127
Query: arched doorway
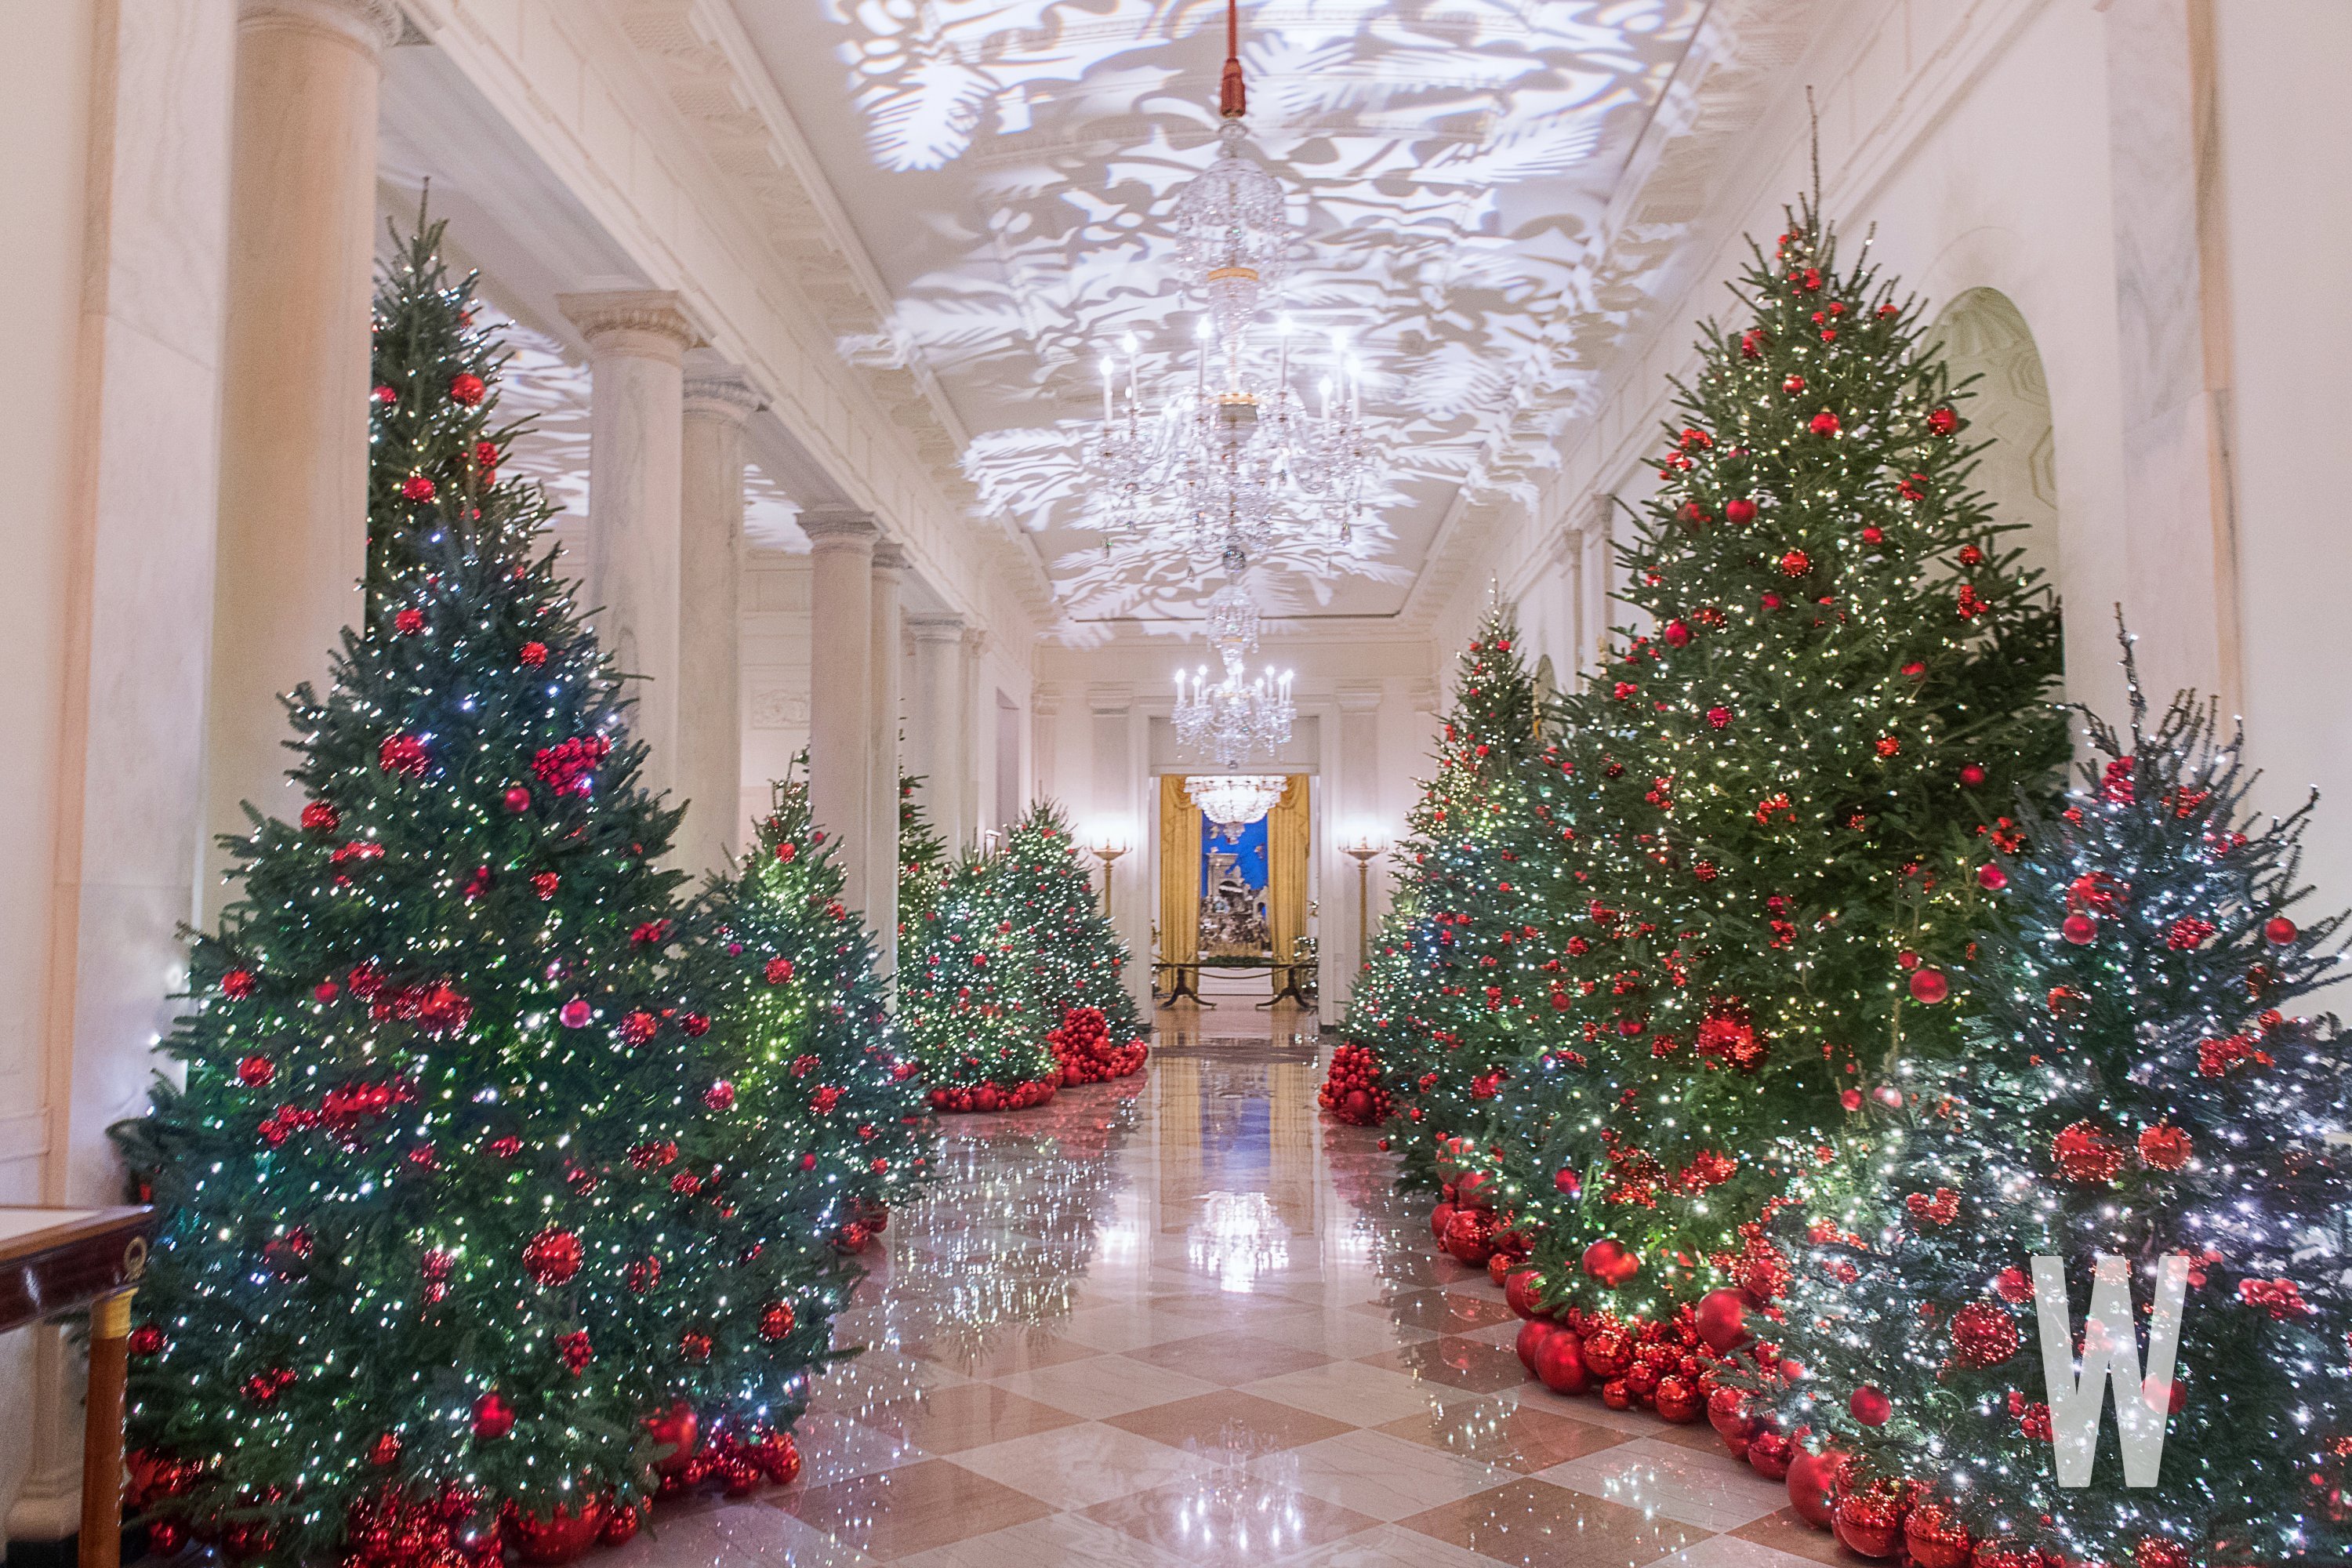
x,y
1982,335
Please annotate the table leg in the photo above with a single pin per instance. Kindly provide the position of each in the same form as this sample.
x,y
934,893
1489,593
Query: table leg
x,y
101,1437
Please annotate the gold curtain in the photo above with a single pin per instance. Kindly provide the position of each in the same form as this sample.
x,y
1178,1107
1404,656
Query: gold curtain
x,y
1286,872
1179,881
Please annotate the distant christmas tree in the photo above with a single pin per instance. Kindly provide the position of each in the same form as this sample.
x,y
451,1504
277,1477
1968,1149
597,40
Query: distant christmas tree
x,y
452,1200
922,853
1843,683
1074,955
2135,1089
789,976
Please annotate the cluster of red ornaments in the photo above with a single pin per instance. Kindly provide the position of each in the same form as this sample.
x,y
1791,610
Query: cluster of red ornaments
x,y
988,1097
1082,1045
1351,1089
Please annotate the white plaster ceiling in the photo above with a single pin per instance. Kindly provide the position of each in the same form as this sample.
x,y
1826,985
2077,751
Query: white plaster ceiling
x,y
1007,167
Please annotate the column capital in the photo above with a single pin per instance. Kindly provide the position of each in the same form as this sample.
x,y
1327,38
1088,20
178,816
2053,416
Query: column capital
x,y
370,25
648,324
935,629
976,639
723,395
1357,696
1109,699
890,555
832,528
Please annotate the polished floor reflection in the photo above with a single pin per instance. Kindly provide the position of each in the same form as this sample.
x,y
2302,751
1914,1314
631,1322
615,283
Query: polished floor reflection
x,y
1179,1320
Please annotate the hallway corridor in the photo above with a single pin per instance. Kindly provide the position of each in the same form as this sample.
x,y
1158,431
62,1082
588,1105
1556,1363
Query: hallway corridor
x,y
1180,1319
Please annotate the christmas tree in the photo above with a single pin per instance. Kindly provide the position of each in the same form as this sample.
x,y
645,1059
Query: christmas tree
x,y
2137,1090
1463,974
453,1199
922,854
1074,956
1795,772
789,976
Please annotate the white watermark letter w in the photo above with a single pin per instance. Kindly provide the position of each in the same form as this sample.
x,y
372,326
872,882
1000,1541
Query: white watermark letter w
x,y
2110,1354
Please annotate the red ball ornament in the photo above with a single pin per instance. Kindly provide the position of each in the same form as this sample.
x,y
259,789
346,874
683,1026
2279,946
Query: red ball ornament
x,y
1769,1453
1608,1262
1871,1522
1726,1411
719,1096
1943,421
1677,634
1470,1236
416,488
1741,511
1565,1182
517,799
1676,1400
1607,1354
533,654
552,1256
1439,1218
1928,986
1824,424
2085,1153
563,1535
1560,1365
493,1417
1972,775
467,388
778,971
1869,1406
1983,1335
2079,928
254,1072
146,1340
1523,1292
2014,1285
2166,1147
574,1014
776,1320
2278,930
385,396
1532,1336
318,816
1937,1540
1813,1482
675,1429
1617,1395
1796,563
1991,877
1722,1318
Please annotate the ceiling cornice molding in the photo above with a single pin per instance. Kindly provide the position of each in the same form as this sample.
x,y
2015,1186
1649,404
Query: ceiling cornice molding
x,y
571,83
714,80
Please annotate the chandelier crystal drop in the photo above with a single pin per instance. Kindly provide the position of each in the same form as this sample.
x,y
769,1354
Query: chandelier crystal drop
x,y
1228,453
1238,717
1233,800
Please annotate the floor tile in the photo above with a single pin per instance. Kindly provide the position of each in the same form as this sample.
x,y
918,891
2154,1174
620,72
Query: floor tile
x,y
1057,1540
1105,1386
1229,1359
1340,1332
1026,1353
1393,1546
1073,1466
966,1416
1531,1522
1351,1392
834,1447
1380,1475
1456,1363
729,1536
1229,1519
1228,1427
1737,1551
1444,1311
1712,1491
1500,1431
1785,1532
910,1509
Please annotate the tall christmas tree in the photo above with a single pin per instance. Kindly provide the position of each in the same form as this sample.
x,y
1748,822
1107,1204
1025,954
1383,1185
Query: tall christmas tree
x,y
2137,1090
788,973
1075,957
1842,687
453,1199
1451,1000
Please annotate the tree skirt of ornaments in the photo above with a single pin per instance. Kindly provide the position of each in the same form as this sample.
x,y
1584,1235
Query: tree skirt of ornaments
x,y
1351,1089
1083,1045
989,1097
450,1527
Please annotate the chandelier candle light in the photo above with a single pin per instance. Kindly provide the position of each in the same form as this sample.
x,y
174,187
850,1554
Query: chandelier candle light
x,y
1233,800
1237,718
1232,457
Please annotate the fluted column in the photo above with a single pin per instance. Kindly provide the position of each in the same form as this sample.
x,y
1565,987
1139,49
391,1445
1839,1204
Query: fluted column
x,y
294,382
935,722
711,572
637,339
882,761
841,651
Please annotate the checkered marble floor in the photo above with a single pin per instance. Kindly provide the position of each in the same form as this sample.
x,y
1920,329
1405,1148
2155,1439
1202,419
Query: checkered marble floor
x,y
1180,1320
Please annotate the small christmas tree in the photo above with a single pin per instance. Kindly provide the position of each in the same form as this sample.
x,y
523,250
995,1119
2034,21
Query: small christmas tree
x,y
789,976
1795,770
2135,1089
922,854
1074,955
452,1199
964,1004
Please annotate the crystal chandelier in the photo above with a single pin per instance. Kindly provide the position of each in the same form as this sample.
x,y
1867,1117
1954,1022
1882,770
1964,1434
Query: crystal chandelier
x,y
1230,454
1233,800
1237,718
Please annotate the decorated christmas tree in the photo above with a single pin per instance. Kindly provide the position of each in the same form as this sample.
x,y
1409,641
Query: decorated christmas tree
x,y
922,854
788,973
1074,955
1797,770
2138,1090
458,1239
1451,1000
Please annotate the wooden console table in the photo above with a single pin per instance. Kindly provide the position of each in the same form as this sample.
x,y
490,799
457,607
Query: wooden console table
x,y
53,1261
1185,985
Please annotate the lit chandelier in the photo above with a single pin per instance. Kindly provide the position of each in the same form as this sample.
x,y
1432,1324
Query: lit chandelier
x,y
1237,718
1233,800
1232,456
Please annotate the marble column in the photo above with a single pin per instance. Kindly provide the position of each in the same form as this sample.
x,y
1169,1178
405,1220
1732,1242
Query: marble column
x,y
637,339
883,730
711,575
936,723
980,807
294,380
841,652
